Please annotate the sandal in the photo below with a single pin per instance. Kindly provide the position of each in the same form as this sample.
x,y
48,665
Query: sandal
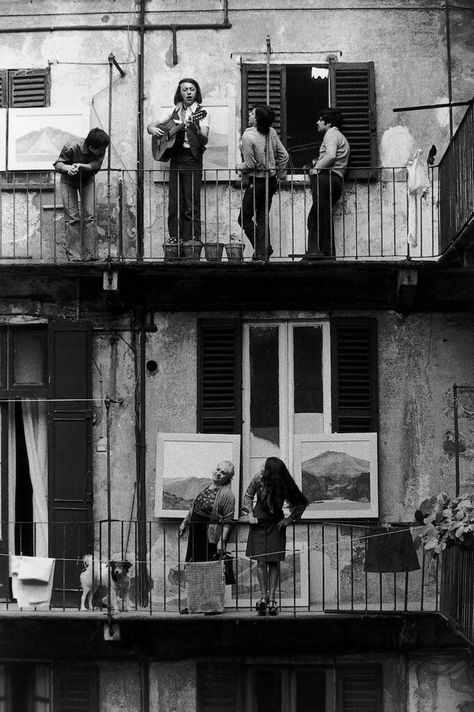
x,y
261,607
272,608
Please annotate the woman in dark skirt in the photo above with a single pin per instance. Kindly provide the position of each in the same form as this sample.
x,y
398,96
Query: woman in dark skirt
x,y
266,542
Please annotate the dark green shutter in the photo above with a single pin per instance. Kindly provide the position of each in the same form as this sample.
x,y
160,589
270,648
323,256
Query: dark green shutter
x,y
353,93
70,474
218,687
75,688
219,376
28,87
254,91
354,375
359,689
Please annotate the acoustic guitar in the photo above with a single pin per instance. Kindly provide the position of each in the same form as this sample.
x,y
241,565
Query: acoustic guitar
x,y
161,145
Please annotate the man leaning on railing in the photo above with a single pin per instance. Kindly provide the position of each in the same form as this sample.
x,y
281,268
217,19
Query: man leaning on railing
x,y
326,179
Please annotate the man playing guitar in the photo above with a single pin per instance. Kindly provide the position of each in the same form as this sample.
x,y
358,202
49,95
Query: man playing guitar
x,y
185,148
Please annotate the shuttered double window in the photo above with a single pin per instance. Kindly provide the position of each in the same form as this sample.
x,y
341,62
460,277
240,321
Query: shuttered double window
x,y
21,88
350,87
353,375
227,687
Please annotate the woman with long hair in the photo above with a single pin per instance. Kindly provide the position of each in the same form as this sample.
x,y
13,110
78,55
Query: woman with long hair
x,y
266,543
188,146
264,162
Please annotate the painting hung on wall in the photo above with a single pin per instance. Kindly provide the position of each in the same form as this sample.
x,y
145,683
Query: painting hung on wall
x,y
36,136
184,464
338,474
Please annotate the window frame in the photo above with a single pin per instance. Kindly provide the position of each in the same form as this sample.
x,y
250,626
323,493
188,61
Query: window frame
x,y
285,383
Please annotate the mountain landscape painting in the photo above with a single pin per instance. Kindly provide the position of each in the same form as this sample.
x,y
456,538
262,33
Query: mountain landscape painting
x,y
338,474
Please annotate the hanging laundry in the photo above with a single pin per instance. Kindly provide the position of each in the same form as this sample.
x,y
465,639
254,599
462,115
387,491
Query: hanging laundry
x,y
390,550
417,185
32,580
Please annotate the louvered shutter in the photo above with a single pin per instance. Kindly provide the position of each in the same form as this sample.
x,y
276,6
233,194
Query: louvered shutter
x,y
219,376
3,89
254,91
75,688
70,456
353,93
218,688
354,375
359,689
28,87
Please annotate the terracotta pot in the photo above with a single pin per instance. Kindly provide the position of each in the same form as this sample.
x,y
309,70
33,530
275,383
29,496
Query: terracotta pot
x,y
235,251
213,251
171,252
192,250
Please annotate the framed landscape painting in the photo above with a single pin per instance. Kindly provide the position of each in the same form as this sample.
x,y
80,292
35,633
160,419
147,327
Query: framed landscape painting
x,y
338,474
184,464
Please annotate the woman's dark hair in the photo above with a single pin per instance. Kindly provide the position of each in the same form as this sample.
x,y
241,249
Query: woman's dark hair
x,y
332,116
278,485
265,116
177,95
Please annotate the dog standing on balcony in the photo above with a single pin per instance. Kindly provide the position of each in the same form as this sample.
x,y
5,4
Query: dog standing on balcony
x,y
96,573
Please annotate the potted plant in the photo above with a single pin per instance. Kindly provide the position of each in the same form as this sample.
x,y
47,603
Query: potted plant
x,y
213,251
192,249
446,521
171,248
235,249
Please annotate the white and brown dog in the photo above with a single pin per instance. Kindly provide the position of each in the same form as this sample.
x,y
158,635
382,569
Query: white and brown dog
x,y
96,573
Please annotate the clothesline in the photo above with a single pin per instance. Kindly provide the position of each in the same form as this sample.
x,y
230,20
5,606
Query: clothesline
x,y
321,548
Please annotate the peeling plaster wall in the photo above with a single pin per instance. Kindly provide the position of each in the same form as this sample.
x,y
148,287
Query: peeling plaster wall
x,y
173,687
442,685
420,358
119,687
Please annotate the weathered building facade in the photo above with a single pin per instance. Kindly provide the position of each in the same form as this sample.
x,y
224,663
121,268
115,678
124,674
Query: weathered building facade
x,y
97,358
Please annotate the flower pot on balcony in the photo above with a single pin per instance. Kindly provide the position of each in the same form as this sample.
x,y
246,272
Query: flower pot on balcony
x,y
171,251
235,251
192,249
213,251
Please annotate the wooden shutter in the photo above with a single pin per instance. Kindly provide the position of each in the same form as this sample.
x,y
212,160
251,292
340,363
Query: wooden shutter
x,y
354,375
353,93
75,688
28,87
218,686
254,91
3,89
70,476
219,376
359,689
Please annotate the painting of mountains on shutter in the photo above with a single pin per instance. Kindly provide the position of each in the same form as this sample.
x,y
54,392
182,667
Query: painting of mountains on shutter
x,y
354,375
359,689
29,87
353,93
254,91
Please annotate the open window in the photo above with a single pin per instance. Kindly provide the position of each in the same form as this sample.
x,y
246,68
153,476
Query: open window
x,y
299,91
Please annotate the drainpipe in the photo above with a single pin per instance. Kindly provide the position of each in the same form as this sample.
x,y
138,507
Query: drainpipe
x,y
449,63
140,129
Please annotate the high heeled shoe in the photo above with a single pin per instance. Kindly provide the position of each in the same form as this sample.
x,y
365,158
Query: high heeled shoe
x,y
272,608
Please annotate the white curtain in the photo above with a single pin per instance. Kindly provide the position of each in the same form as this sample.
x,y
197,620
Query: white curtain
x,y
36,436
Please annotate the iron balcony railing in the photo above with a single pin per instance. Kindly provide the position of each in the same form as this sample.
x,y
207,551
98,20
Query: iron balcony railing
x,y
456,181
372,220
324,570
456,593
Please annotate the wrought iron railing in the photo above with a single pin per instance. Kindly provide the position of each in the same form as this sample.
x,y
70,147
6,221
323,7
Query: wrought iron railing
x,y
370,221
324,569
457,592
456,181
